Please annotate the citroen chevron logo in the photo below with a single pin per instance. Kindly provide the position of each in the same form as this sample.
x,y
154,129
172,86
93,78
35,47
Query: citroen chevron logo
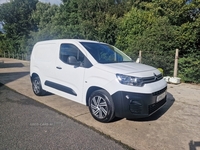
x,y
155,77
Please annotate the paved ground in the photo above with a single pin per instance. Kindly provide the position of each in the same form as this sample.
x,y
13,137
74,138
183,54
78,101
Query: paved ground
x,y
176,126
28,124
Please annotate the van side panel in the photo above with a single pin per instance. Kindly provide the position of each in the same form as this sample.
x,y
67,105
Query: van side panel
x,y
43,61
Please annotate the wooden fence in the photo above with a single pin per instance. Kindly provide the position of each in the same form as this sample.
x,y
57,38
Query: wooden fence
x,y
170,66
20,56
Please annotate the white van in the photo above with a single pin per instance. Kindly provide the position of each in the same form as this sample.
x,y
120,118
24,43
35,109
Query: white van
x,y
97,75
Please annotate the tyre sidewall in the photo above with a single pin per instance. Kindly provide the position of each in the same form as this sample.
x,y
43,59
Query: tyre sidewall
x,y
109,101
41,91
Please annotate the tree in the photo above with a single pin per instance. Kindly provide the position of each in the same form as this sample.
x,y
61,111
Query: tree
x,y
45,18
18,23
44,14
93,19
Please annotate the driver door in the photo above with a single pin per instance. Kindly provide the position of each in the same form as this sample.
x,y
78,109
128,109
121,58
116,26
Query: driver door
x,y
70,77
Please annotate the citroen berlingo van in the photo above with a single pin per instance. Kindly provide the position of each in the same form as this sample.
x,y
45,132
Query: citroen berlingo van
x,y
99,76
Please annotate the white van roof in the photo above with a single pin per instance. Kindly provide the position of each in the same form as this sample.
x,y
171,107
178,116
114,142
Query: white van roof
x,y
67,40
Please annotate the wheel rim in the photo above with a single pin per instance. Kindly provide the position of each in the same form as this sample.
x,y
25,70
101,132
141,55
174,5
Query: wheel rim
x,y
99,107
36,86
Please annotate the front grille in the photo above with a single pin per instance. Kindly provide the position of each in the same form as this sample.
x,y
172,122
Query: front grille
x,y
152,79
160,91
156,106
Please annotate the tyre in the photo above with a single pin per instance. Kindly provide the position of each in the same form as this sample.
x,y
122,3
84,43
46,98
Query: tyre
x,y
37,87
101,106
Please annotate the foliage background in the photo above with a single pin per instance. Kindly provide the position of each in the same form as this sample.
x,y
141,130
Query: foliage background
x,y
157,27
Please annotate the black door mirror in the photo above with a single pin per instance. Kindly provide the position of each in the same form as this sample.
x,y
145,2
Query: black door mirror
x,y
73,61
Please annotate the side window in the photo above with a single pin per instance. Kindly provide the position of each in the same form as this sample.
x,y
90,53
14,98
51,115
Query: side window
x,y
67,50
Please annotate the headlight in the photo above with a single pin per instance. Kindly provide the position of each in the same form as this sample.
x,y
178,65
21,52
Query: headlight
x,y
129,80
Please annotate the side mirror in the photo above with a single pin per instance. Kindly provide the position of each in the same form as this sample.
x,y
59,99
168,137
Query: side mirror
x,y
73,61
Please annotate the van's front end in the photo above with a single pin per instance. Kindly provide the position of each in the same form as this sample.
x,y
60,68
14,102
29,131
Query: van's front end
x,y
137,90
139,96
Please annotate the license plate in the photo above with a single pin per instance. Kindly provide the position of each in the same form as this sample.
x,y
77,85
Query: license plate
x,y
160,97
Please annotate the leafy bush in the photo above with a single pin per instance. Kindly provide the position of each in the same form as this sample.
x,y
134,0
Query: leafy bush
x,y
189,69
164,61
161,70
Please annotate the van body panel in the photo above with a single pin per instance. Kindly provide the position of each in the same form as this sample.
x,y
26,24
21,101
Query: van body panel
x,y
126,67
71,77
43,61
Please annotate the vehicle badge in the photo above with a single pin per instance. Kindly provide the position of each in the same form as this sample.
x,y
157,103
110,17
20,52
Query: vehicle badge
x,y
155,77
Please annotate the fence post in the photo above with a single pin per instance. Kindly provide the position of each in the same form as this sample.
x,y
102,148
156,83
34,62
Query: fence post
x,y
176,63
139,59
140,56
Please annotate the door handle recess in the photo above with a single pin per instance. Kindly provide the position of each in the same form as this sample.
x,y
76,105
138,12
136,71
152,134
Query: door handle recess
x,y
58,67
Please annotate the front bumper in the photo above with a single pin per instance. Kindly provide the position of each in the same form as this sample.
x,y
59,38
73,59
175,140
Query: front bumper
x,y
137,105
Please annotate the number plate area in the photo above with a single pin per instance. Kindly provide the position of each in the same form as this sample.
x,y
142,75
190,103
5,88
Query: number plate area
x,y
160,97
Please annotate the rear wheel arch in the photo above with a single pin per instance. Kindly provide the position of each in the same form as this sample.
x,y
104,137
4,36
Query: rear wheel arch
x,y
36,85
34,75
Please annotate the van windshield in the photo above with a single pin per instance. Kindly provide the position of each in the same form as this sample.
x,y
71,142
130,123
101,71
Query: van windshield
x,y
104,53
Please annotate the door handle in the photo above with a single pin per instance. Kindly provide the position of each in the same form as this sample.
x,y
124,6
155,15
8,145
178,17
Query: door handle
x,y
58,67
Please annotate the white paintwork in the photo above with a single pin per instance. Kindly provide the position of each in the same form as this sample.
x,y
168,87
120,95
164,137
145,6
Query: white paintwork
x,y
45,59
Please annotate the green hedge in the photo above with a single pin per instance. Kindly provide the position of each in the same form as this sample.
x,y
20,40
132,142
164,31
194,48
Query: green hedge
x,y
189,69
